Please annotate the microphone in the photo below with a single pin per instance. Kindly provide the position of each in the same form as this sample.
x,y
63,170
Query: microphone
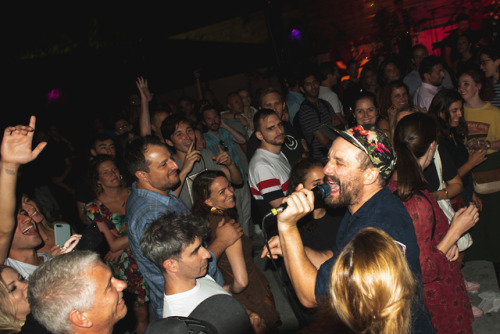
x,y
320,192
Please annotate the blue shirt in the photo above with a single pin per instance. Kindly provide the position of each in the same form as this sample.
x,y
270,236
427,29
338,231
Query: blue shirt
x,y
293,102
144,206
213,143
386,212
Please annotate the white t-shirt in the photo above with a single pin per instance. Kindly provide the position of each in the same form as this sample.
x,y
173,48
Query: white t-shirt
x,y
268,175
331,97
25,269
182,304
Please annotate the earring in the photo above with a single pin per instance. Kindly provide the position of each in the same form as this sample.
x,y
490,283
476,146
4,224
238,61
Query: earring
x,y
213,209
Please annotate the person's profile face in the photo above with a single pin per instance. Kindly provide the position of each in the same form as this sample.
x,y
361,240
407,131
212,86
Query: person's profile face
x,y
343,173
193,262
163,171
17,288
109,306
314,177
455,113
488,65
437,75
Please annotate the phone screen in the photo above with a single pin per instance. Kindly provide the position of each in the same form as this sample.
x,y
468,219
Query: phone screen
x,y
62,232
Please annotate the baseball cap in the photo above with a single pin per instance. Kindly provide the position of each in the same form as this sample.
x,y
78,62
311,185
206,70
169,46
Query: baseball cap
x,y
375,143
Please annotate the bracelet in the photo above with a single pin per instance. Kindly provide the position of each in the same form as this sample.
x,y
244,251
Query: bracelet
x,y
445,192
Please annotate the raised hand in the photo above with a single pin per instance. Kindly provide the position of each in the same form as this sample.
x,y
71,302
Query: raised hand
x,y
192,156
142,85
223,158
17,142
477,157
300,203
229,231
113,256
68,246
465,218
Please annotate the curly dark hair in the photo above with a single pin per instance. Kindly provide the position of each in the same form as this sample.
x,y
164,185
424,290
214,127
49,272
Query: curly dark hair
x,y
94,171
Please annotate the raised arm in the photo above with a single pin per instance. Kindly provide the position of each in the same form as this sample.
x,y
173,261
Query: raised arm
x,y
146,97
16,150
237,136
300,269
476,157
192,157
230,169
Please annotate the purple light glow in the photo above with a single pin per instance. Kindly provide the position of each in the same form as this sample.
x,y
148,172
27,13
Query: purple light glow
x,y
54,95
295,35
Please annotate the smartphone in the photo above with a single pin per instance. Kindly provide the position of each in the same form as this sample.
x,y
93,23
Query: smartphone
x,y
62,232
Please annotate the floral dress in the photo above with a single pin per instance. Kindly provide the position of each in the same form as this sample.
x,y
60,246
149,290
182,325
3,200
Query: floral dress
x,y
126,268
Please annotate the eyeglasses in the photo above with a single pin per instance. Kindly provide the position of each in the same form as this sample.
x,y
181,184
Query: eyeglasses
x,y
224,147
124,126
483,62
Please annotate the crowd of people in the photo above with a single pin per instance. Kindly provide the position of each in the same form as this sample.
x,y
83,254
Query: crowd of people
x,y
171,199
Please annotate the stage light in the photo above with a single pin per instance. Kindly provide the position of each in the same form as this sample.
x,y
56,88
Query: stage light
x,y
54,95
295,35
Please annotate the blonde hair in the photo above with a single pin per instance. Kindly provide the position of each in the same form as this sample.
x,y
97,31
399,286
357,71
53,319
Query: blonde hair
x,y
372,285
9,323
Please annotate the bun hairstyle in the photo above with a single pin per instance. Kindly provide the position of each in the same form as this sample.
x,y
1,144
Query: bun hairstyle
x,y
372,286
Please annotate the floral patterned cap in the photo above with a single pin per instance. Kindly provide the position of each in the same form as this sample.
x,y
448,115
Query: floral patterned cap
x,y
376,144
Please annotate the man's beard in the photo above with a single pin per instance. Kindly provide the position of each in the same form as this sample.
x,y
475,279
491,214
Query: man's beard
x,y
347,194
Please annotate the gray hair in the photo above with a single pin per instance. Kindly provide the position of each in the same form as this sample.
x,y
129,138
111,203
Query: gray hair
x,y
168,235
60,286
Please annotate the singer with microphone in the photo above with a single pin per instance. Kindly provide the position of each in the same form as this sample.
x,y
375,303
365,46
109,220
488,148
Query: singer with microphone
x,y
360,161
318,230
